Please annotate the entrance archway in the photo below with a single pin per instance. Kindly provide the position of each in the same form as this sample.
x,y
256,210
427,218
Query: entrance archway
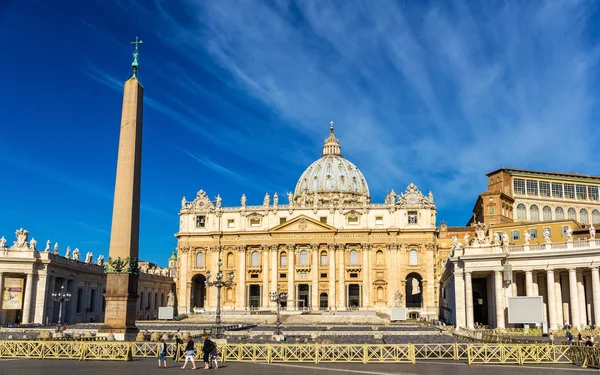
x,y
198,291
414,290
323,301
254,296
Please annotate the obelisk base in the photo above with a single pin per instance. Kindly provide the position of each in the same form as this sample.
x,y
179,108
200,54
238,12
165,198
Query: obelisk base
x,y
121,306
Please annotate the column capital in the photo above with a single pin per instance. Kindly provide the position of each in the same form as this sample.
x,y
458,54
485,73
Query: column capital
x,y
528,271
549,270
594,268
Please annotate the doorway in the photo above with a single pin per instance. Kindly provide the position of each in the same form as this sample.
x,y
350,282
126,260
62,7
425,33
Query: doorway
x,y
198,292
353,295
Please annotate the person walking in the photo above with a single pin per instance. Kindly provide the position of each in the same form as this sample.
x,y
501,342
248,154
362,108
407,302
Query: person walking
x,y
214,356
189,354
207,349
162,353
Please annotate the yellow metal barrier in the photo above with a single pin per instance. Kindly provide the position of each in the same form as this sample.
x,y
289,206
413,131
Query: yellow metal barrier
x,y
479,353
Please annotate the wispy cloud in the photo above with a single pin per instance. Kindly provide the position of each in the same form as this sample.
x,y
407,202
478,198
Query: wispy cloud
x,y
90,227
452,90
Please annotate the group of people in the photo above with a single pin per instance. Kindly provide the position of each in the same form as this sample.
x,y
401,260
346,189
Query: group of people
x,y
209,350
588,341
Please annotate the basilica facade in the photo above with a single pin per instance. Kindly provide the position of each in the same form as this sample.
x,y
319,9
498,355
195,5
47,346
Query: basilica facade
x,y
329,247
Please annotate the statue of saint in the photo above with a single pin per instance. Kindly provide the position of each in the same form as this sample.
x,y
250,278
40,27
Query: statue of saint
x,y
267,200
32,243
170,299
55,251
547,235
47,248
219,200
505,240
397,299
68,254
100,260
183,203
290,196
526,236
430,196
496,239
243,200
466,239
569,234
275,199
415,286
76,254
592,232
2,242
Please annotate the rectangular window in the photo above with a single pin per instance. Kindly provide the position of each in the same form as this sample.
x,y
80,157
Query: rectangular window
x,y
282,275
323,275
323,219
230,223
581,191
532,187
557,190
255,222
282,220
352,220
353,275
254,276
593,192
412,217
544,189
515,235
570,191
519,186
324,259
533,233
200,221
378,220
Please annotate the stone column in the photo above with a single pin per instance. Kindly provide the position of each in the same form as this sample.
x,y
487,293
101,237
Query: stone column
x,y
581,298
429,301
331,258
459,296
291,304
48,315
395,265
559,302
469,299
596,295
314,289
342,276
265,277
2,319
567,316
575,316
241,285
589,303
529,283
498,291
542,292
27,300
40,299
274,272
553,322
366,271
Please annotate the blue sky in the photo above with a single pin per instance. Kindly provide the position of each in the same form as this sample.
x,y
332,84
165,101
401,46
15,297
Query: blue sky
x,y
239,95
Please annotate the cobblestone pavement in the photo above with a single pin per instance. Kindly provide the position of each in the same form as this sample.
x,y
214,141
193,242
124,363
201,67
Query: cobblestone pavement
x,y
148,366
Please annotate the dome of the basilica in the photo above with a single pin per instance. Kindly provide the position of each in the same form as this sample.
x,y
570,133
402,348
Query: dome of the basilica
x,y
330,174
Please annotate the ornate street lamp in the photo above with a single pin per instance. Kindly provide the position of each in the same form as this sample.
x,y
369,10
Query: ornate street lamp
x,y
278,298
60,297
219,283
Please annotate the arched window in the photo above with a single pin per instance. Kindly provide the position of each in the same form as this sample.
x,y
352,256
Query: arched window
x,y
534,213
283,259
413,259
595,217
571,214
521,212
380,293
323,258
379,257
546,213
199,259
255,259
304,257
559,213
229,259
353,257
583,216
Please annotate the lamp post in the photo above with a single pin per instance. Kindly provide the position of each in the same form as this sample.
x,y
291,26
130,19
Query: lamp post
x,y
219,283
60,297
278,298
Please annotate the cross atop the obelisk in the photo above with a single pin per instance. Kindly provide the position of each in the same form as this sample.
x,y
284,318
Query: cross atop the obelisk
x,y
136,53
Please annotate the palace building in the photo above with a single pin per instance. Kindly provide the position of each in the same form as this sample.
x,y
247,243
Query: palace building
x,y
328,246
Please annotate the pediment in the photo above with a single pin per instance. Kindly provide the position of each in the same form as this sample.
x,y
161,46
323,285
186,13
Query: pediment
x,y
303,223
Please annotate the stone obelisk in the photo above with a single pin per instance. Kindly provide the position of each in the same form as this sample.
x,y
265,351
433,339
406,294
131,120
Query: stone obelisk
x,y
122,267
